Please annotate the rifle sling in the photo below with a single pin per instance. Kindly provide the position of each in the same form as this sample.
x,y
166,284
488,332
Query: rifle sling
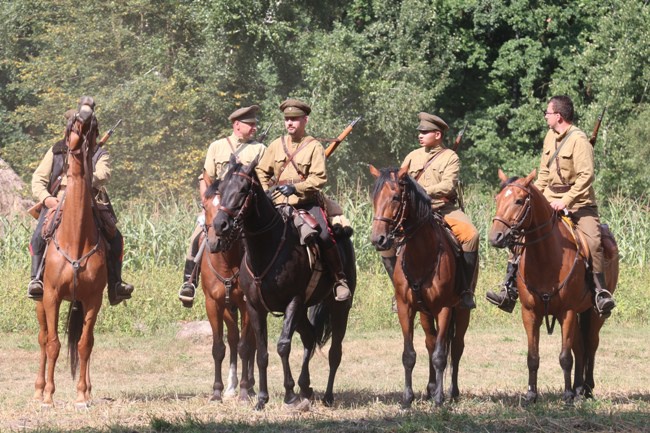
x,y
428,163
235,153
554,157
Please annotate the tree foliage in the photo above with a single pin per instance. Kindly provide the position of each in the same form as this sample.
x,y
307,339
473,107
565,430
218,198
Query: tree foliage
x,y
173,70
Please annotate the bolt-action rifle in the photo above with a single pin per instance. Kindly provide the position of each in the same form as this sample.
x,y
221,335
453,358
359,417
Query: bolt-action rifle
x,y
35,210
332,147
594,134
459,137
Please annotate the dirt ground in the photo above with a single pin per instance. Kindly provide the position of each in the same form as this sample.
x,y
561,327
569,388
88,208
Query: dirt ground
x,y
139,380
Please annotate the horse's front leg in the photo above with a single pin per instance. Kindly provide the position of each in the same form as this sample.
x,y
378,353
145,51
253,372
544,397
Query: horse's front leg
x,y
439,357
531,324
292,314
259,324
406,316
568,323
306,331
215,317
246,350
232,326
53,344
85,348
460,318
339,312
429,328
39,385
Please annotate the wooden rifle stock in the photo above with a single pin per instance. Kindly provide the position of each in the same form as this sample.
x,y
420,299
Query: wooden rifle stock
x,y
594,134
459,137
332,147
35,211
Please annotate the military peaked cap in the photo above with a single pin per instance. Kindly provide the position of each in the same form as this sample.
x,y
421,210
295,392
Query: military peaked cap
x,y
245,114
86,100
430,122
294,108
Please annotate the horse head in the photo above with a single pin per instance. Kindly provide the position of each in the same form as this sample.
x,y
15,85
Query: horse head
x,y
514,213
210,203
388,205
236,191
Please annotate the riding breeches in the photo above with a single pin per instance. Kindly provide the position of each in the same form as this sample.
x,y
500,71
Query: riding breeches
x,y
462,227
588,223
193,248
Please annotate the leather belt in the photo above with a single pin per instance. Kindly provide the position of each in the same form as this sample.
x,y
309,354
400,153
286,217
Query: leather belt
x,y
560,189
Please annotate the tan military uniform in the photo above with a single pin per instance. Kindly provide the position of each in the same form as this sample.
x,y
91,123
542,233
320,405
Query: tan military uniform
x,y
573,184
440,180
41,178
219,152
310,160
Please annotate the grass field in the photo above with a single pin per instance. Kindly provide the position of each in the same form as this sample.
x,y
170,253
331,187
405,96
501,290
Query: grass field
x,y
162,384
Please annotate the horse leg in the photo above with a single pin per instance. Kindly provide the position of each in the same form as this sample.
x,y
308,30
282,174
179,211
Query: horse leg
x,y
258,321
579,356
429,328
85,348
591,346
531,324
52,346
233,340
292,314
566,357
215,317
460,318
306,332
246,350
406,315
39,385
439,357
339,322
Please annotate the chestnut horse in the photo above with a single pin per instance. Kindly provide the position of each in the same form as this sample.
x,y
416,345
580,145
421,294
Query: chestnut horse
x,y
424,277
551,280
75,268
276,277
224,300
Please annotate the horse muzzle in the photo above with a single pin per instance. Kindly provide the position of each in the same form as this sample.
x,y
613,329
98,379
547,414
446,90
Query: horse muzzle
x,y
499,239
382,242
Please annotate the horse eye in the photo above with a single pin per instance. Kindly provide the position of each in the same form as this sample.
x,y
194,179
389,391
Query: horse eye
x,y
396,197
519,202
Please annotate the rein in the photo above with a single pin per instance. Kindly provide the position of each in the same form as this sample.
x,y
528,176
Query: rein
x,y
227,282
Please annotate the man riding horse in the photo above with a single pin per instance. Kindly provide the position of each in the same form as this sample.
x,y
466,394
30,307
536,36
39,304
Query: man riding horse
x,y
242,144
566,178
48,187
437,168
295,164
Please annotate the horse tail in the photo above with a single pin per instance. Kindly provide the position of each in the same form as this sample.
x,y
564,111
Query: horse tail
x,y
75,327
451,334
319,317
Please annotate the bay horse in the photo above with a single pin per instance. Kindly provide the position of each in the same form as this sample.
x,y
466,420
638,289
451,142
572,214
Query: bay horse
x,y
551,280
75,268
424,277
276,278
224,300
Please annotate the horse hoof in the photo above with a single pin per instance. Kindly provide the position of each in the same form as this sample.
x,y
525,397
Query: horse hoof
x,y
328,400
529,398
81,405
299,405
260,405
46,406
568,398
230,393
216,397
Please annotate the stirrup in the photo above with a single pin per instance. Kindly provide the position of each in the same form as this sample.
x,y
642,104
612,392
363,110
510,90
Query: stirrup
x,y
186,294
35,289
604,303
342,291
501,300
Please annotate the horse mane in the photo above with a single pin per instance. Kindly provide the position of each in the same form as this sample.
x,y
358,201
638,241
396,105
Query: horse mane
x,y
418,197
507,182
212,190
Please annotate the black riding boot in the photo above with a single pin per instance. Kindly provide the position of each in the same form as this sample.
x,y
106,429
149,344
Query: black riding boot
x,y
470,260
507,297
35,286
186,294
389,265
118,290
341,289
603,299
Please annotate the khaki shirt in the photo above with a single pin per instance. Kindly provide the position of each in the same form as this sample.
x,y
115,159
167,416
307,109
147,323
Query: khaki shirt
x,y
440,178
311,162
219,152
576,161
41,177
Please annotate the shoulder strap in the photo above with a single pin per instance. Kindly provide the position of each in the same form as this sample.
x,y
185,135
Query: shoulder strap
x,y
557,150
428,163
290,157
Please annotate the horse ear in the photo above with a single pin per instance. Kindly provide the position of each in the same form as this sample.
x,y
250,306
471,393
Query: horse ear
x,y
502,176
207,179
374,171
403,171
531,176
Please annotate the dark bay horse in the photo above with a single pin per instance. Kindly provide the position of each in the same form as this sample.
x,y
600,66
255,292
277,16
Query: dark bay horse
x,y
424,277
224,300
551,280
75,268
276,277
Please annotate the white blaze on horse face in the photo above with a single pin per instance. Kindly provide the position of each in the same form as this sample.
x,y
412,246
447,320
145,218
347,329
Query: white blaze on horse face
x,y
508,192
215,200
